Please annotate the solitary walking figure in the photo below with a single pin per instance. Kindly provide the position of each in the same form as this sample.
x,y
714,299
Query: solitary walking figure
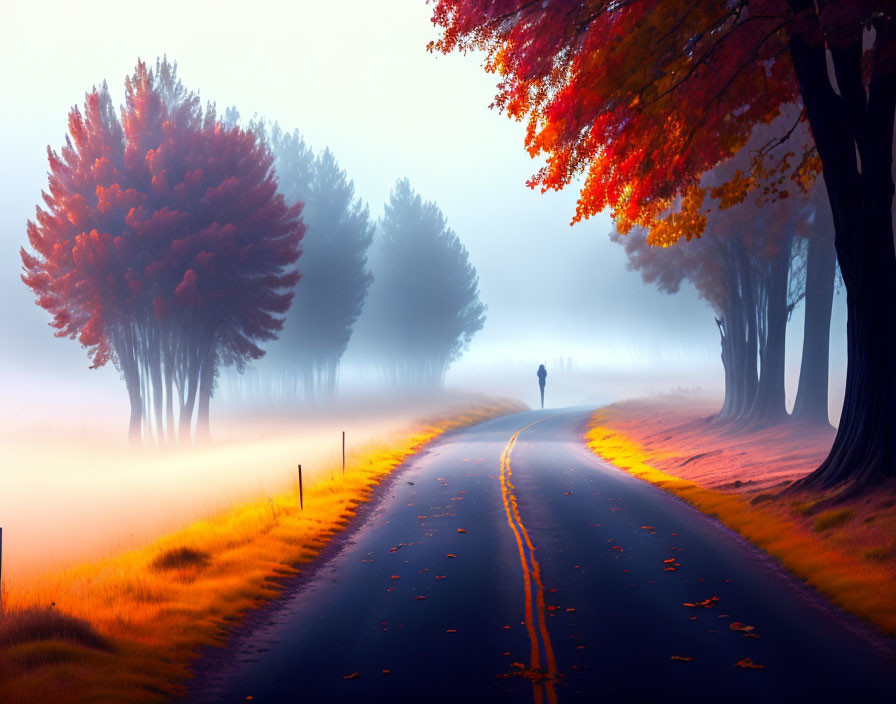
x,y
542,375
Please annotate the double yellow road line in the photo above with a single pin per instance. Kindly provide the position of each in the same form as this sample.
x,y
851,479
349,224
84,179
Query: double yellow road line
x,y
533,586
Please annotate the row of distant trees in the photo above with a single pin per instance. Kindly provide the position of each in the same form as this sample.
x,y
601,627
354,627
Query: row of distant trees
x,y
645,100
753,265
174,242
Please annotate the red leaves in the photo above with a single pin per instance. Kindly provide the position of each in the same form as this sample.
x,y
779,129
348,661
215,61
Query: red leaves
x,y
748,664
705,604
636,99
155,212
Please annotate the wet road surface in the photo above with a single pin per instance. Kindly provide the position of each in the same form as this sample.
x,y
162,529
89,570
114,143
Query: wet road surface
x,y
508,564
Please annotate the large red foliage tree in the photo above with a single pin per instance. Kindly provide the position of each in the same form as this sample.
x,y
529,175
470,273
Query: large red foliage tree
x,y
642,97
163,247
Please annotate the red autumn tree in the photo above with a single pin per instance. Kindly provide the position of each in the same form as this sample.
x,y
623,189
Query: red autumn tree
x,y
164,246
644,96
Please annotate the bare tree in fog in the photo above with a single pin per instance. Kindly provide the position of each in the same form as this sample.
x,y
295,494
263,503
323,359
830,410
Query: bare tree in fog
x,y
424,307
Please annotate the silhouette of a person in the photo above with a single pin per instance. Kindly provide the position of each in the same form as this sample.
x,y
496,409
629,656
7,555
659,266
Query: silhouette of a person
x,y
542,375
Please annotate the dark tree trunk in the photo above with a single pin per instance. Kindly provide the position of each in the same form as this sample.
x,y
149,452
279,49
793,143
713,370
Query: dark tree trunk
x,y
811,404
858,123
769,403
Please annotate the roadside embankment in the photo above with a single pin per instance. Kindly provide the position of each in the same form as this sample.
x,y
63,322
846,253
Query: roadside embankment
x,y
847,551
126,627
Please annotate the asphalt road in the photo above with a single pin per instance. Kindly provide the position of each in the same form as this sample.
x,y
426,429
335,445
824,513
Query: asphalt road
x,y
508,564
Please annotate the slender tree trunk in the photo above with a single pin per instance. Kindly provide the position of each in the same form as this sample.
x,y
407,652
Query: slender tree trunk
x,y
769,405
184,434
169,403
811,403
858,121
206,385
155,369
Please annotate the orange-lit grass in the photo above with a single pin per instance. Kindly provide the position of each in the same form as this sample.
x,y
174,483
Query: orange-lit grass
x,y
859,581
126,628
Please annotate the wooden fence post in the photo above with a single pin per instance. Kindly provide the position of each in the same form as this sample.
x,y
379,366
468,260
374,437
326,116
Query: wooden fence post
x,y
301,497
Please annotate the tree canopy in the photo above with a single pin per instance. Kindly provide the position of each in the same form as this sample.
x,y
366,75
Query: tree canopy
x,y
163,245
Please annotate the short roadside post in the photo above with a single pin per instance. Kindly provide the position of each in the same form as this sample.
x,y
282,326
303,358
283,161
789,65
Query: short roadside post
x,y
301,498
343,453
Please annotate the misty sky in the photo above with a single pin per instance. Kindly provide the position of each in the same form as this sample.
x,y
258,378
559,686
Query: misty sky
x,y
353,75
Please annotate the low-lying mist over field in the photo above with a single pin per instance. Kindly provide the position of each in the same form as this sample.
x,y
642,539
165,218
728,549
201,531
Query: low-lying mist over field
x,y
428,270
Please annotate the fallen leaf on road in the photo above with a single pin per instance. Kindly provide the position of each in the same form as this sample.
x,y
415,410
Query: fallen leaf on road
x,y
570,610
648,528
567,493
421,517
670,569
418,598
462,492
680,658
461,530
353,676
748,664
440,576
386,672
738,626
616,547
451,630
670,560
394,576
450,555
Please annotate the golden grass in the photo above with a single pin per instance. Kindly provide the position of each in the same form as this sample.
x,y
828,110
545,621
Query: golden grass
x,y
126,628
863,585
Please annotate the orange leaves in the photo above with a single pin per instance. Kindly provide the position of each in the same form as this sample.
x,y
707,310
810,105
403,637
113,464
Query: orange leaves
x,y
680,658
747,631
748,664
449,555
705,604
353,676
641,98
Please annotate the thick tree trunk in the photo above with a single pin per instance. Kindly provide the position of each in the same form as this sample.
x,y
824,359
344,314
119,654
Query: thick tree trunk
x,y
852,122
811,404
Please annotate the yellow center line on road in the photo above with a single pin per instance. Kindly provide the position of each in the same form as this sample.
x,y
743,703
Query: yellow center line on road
x,y
531,573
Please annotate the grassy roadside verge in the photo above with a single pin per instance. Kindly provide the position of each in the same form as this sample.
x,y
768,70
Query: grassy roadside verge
x,y
846,553
125,629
